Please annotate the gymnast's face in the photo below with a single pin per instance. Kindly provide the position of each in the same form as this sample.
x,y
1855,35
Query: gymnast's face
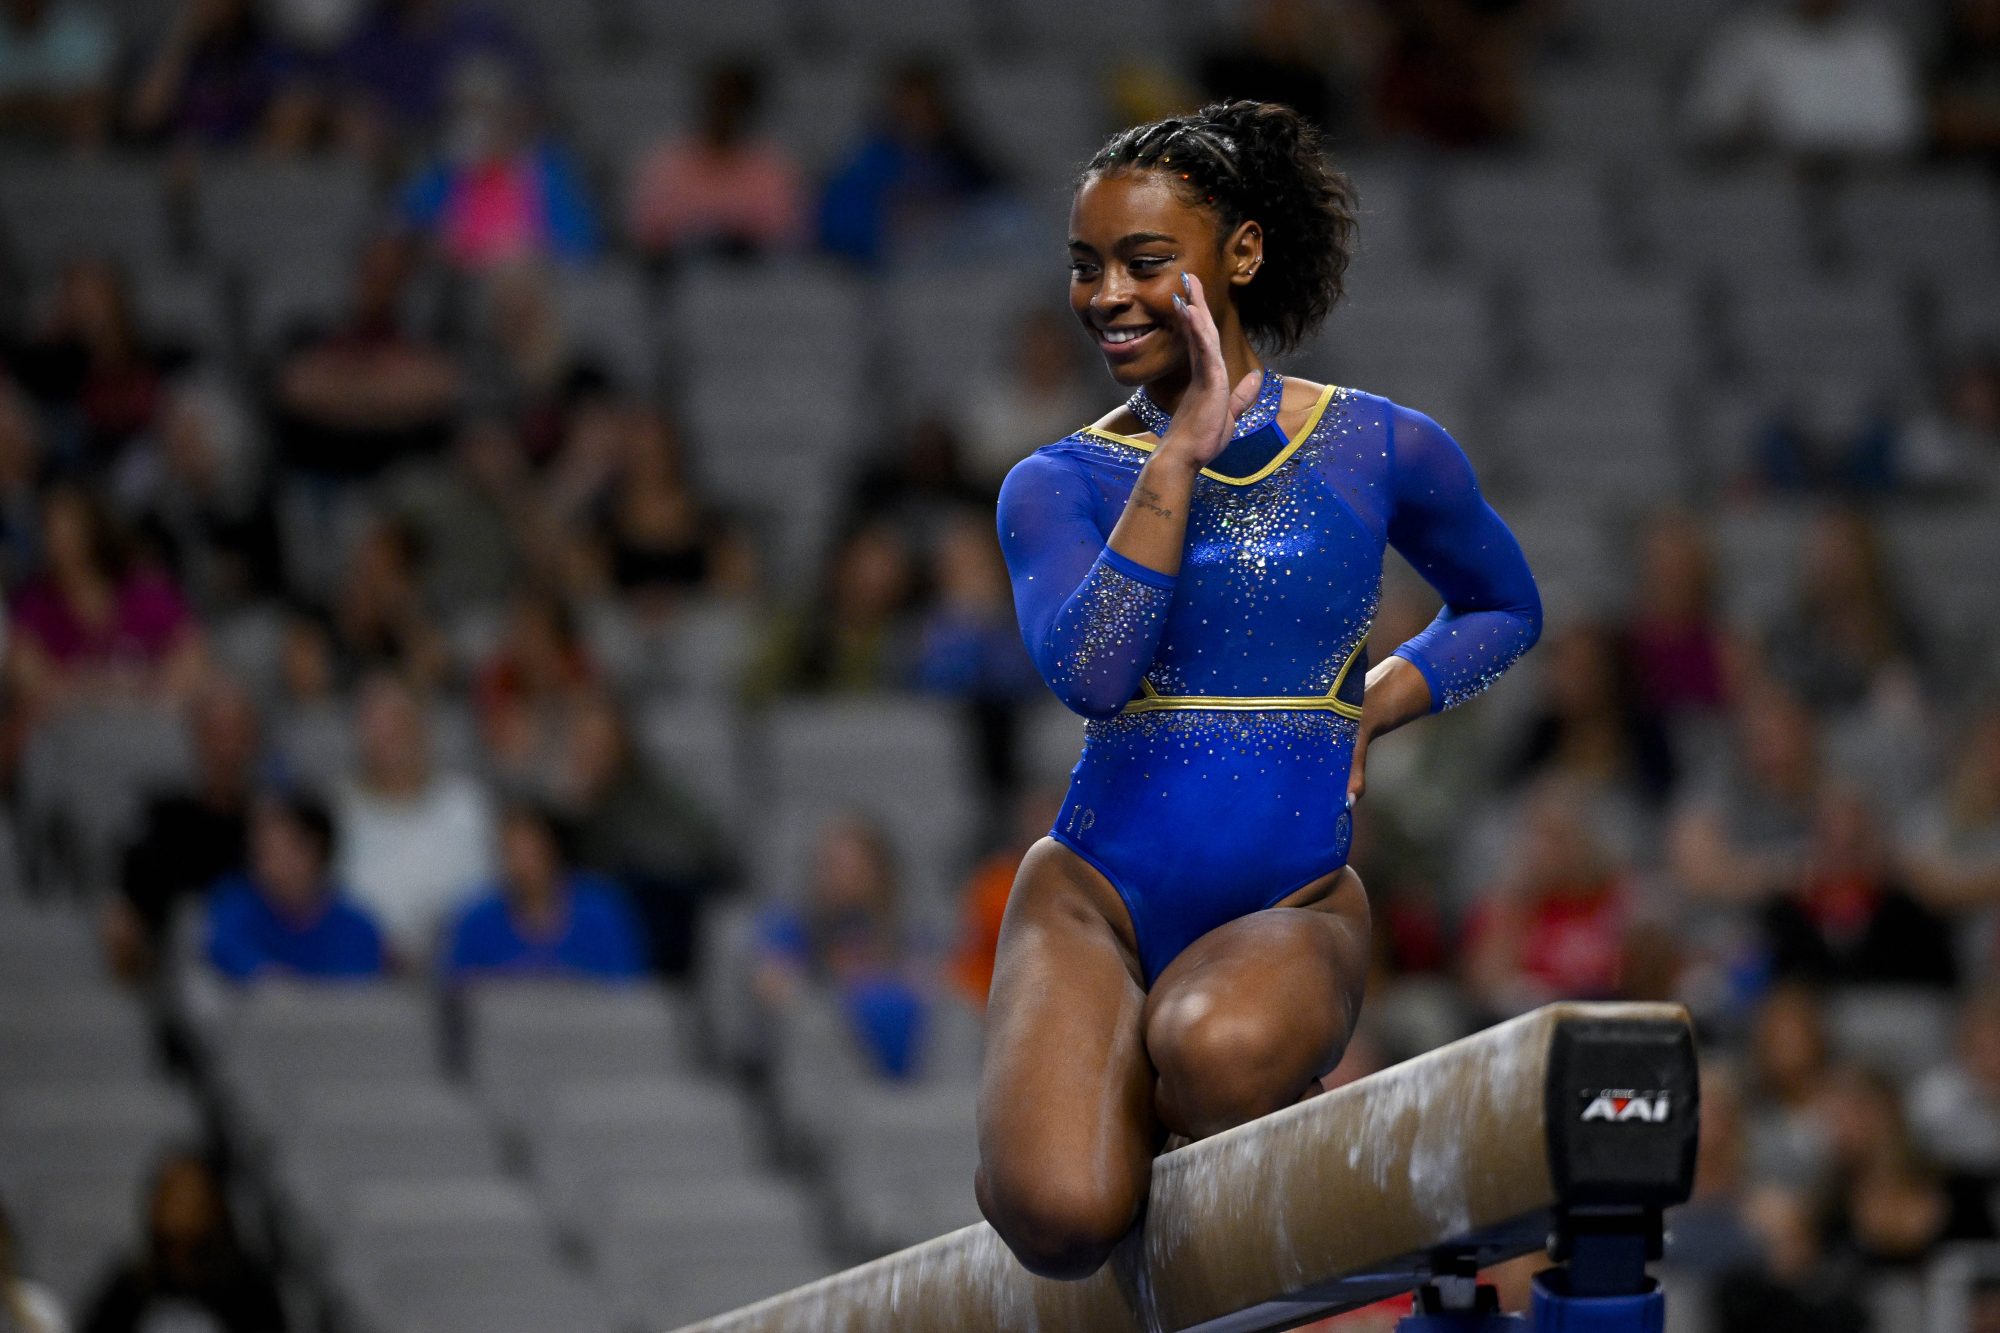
x,y
1131,238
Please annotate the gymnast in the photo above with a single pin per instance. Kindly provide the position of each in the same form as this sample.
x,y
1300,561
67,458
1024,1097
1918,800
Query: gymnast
x,y
1196,574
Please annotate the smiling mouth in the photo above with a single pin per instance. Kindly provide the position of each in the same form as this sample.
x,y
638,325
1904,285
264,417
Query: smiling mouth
x,y
1125,335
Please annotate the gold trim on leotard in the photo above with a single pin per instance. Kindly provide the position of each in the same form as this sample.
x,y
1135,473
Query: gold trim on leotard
x,y
1291,445
1151,700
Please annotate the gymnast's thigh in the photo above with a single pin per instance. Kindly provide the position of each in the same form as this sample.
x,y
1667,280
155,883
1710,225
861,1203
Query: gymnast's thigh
x,y
1066,1093
1251,1015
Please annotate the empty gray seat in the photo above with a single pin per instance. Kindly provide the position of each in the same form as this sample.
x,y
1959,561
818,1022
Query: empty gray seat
x,y
817,1069
481,1295
1750,223
1579,329
74,1036
664,1135
1942,225
83,780
1602,115
697,743
1854,330
819,110
603,313
1389,332
680,1256
1508,215
47,952
98,1128
693,31
72,1227
528,1038
622,109
902,1163
53,211
260,215
441,1221
283,1036
1611,444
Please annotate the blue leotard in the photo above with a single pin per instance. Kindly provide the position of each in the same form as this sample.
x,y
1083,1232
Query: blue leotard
x,y
1223,701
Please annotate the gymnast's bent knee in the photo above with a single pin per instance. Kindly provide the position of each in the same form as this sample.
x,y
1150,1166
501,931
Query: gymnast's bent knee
x,y
1057,1227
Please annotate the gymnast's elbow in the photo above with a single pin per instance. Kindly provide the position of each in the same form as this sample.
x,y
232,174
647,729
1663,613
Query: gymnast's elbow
x,y
1529,613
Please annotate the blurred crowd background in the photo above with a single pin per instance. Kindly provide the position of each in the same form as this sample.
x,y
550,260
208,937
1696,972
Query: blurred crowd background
x,y
515,740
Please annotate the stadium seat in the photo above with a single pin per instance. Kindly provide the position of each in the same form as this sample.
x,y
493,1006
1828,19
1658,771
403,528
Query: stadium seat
x,y
1853,330
73,1035
262,216
1604,445
1579,329
902,1161
479,1294
619,110
696,742
1511,215
55,211
50,955
1746,224
669,1134
1939,225
527,1037
73,1227
685,32
284,1036
107,1129
675,1258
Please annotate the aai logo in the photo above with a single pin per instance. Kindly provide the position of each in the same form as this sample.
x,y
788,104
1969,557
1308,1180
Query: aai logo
x,y
1619,1105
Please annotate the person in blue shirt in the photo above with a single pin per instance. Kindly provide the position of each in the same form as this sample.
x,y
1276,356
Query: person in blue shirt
x,y
544,918
1197,574
286,916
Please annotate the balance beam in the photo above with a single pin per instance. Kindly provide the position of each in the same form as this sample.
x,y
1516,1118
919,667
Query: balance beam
x,y
1473,1153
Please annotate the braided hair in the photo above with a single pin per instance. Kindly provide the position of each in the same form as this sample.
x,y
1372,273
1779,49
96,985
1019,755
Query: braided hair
x,y
1262,162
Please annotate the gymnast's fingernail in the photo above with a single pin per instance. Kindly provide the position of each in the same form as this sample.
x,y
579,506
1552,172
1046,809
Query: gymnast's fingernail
x,y
1179,304
1187,283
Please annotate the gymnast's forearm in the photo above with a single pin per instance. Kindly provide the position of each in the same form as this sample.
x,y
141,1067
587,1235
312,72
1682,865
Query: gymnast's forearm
x,y
1397,693
1153,529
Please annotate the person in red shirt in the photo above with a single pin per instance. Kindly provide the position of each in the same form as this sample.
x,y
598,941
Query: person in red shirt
x,y
1554,927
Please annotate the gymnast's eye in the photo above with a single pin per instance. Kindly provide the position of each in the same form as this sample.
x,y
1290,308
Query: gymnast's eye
x,y
1147,265
1082,270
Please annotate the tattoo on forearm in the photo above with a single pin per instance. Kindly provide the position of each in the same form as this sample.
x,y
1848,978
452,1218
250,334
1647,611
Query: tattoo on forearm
x,y
1150,498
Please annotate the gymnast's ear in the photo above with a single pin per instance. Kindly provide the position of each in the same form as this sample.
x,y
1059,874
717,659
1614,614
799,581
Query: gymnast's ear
x,y
1243,252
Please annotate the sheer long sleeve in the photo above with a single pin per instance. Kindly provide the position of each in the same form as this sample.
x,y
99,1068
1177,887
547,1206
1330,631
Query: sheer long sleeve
x,y
1450,535
1091,618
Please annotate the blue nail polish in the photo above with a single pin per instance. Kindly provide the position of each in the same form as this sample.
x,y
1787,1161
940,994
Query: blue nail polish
x,y
1187,283
1179,304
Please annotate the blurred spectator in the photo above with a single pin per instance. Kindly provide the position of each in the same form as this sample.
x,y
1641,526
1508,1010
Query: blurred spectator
x,y
723,189
522,365
1965,83
916,175
858,634
1682,654
414,841
55,72
921,483
21,462
1850,633
1788,1071
191,1268
1952,846
1709,1234
381,615
25,1307
661,540
1953,448
1040,394
544,918
1796,1287
396,69
531,689
94,624
1849,920
287,917
1954,1110
847,934
1741,831
1554,926
477,515
195,490
1807,444
1589,726
369,391
1823,78
221,79
92,369
1451,71
982,902
1284,53
969,644
188,838
644,829
312,738
1892,1208
502,190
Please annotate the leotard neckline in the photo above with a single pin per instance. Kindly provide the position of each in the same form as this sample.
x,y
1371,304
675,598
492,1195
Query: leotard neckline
x,y
1276,461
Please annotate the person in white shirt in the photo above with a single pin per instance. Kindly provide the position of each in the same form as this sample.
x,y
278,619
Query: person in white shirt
x,y
1814,79
414,842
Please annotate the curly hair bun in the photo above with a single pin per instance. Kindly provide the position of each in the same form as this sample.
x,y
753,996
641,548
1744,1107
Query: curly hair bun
x,y
1262,162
